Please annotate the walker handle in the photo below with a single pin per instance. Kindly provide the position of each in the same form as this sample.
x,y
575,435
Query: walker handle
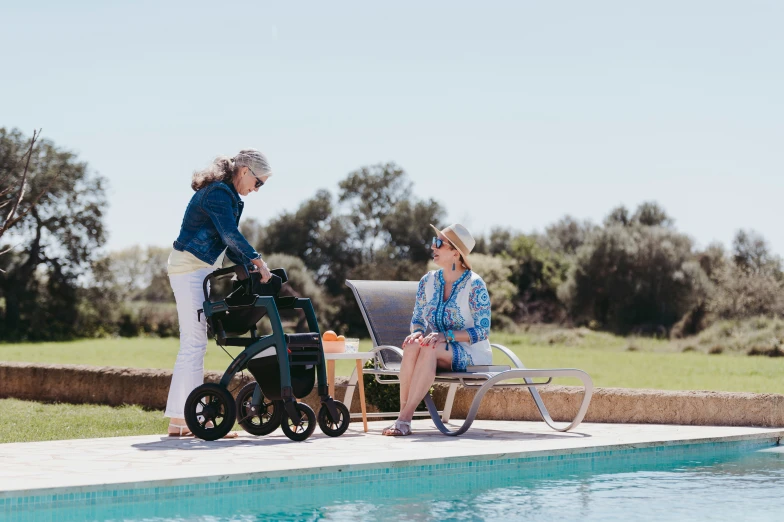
x,y
242,272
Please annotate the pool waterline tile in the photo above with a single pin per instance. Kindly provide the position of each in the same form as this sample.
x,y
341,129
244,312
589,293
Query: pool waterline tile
x,y
85,477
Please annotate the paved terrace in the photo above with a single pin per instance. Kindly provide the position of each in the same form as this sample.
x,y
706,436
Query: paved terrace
x,y
72,466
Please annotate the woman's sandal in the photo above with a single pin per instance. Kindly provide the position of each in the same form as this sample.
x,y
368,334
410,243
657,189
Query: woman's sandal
x,y
182,430
398,429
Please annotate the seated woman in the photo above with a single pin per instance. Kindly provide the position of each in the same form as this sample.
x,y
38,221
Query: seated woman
x,y
450,326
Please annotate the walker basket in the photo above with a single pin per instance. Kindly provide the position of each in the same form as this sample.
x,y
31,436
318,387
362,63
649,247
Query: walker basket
x,y
304,354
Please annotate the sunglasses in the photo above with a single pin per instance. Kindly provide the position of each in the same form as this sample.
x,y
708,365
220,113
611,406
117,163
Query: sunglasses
x,y
259,181
438,242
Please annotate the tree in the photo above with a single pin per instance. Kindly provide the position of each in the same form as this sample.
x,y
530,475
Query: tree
x,y
567,235
500,241
58,236
302,284
751,253
13,184
406,230
537,272
371,195
618,216
316,235
496,272
634,278
750,282
139,274
650,214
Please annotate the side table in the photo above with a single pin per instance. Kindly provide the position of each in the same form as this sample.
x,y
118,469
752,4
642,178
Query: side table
x,y
360,358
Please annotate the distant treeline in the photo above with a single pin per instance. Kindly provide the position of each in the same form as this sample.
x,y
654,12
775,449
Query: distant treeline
x,y
633,273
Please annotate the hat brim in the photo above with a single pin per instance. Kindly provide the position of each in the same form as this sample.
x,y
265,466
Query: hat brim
x,y
466,261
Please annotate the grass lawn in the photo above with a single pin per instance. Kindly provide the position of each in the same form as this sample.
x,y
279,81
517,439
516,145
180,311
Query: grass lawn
x,y
25,421
611,361
131,353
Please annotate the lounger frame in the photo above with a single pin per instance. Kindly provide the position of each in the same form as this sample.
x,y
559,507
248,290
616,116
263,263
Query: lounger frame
x,y
386,372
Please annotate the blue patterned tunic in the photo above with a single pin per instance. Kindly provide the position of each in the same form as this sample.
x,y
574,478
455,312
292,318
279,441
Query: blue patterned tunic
x,y
468,308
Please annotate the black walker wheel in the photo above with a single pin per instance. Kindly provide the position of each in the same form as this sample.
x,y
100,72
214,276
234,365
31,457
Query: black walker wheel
x,y
337,427
264,419
307,423
210,411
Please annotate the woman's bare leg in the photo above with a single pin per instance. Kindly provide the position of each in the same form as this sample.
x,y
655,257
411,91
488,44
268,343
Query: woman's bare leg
x,y
424,375
410,355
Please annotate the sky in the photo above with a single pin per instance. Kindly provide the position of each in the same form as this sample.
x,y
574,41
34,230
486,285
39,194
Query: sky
x,y
510,114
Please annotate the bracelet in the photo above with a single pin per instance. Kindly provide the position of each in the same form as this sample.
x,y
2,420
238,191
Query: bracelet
x,y
450,336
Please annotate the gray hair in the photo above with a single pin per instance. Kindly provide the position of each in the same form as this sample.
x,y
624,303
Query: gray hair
x,y
255,160
224,167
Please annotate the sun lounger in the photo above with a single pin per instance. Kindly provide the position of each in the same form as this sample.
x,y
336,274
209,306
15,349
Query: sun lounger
x,y
387,307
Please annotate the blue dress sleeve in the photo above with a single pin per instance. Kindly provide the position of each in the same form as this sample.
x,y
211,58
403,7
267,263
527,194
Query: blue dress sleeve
x,y
479,303
418,322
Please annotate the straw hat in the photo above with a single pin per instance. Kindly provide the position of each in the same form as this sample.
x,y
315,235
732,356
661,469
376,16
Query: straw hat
x,y
460,238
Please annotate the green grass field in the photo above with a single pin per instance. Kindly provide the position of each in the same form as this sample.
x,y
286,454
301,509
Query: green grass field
x,y
25,421
611,361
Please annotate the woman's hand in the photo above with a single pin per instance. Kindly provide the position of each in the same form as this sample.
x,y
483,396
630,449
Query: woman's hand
x,y
433,339
413,338
264,271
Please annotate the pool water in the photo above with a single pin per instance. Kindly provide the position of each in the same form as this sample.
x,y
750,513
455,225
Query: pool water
x,y
722,481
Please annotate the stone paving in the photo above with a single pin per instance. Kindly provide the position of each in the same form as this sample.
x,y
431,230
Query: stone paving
x,y
85,464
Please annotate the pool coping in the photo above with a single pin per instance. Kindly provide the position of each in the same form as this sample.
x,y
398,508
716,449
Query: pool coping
x,y
14,500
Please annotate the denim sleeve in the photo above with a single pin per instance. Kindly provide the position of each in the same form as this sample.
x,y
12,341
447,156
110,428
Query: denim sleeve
x,y
217,203
479,302
234,258
418,322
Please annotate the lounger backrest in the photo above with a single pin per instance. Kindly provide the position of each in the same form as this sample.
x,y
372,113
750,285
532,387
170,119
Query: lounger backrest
x,y
387,307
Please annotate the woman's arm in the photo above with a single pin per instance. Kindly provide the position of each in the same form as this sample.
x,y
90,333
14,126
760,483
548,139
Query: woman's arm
x,y
218,202
479,303
418,323
460,336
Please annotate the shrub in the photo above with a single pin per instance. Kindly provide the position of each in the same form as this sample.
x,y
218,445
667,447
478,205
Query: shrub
x,y
302,284
158,319
128,325
769,351
753,336
567,235
741,293
537,273
634,276
496,271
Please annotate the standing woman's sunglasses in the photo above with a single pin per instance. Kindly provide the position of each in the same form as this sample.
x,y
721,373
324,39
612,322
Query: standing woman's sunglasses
x,y
438,242
259,182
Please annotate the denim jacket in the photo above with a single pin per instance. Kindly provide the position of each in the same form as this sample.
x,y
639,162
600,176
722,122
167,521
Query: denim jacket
x,y
210,226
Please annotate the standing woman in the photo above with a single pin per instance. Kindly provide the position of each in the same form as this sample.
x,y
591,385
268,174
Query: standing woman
x,y
208,233
450,325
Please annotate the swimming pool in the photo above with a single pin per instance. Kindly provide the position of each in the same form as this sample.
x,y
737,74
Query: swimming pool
x,y
740,480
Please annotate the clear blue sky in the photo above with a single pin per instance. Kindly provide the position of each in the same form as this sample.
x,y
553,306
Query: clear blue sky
x,y
509,113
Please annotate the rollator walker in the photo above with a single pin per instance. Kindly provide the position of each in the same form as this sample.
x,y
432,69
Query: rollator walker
x,y
284,365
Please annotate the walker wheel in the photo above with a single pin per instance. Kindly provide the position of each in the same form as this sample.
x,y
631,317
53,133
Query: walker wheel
x,y
307,423
337,427
262,420
210,411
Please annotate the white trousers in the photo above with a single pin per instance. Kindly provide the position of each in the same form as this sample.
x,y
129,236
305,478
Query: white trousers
x,y
189,366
